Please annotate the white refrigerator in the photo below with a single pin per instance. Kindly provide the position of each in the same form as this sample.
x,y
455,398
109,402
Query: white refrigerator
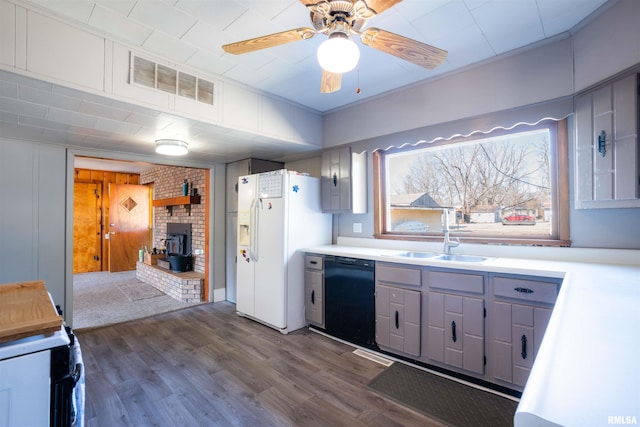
x,y
279,215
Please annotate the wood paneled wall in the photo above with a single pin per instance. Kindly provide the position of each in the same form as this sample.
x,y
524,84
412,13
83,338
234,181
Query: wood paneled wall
x,y
104,178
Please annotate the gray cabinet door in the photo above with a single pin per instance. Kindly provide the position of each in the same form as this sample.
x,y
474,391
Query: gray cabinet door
x,y
607,176
336,180
398,319
314,300
455,334
517,333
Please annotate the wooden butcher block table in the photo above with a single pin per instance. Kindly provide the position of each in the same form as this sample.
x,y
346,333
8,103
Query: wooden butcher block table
x,y
26,310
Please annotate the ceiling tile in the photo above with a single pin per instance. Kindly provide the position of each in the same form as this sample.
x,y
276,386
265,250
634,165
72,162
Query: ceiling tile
x,y
169,47
44,124
465,47
99,110
22,108
445,20
205,37
248,25
8,89
109,21
210,62
559,16
116,127
218,14
78,10
6,117
48,98
123,7
508,25
71,118
161,16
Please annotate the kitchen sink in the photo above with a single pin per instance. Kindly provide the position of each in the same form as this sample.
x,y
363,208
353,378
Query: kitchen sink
x,y
460,258
417,255
443,257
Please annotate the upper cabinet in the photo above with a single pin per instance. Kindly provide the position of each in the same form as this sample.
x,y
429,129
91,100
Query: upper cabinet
x,y
607,153
344,188
241,168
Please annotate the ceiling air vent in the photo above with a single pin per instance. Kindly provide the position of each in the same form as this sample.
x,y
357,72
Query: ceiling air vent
x,y
156,76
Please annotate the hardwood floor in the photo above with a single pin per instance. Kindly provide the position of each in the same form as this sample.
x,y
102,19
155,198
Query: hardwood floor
x,y
206,366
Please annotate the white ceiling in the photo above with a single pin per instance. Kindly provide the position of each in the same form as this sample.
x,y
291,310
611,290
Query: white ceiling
x,y
191,32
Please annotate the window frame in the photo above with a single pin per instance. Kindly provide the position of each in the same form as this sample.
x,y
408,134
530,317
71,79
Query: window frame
x,y
559,176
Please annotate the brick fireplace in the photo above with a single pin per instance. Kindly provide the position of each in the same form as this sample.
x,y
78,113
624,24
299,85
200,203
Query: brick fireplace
x,y
169,226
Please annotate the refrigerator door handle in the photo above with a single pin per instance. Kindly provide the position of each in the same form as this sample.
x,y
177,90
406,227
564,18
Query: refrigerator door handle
x,y
253,233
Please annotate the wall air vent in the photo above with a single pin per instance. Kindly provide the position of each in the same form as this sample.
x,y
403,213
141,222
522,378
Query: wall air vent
x,y
156,76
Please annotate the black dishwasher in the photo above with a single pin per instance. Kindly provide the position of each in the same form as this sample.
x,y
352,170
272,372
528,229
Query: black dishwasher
x,y
349,291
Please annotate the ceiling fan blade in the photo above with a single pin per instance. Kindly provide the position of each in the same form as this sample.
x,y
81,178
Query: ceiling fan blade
x,y
379,6
270,40
416,52
331,82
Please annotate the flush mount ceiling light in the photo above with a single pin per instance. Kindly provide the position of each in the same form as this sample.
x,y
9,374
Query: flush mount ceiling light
x,y
171,147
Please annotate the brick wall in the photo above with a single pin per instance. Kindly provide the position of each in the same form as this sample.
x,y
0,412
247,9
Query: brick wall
x,y
185,287
167,183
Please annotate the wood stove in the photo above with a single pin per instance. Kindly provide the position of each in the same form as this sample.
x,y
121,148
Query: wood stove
x,y
178,245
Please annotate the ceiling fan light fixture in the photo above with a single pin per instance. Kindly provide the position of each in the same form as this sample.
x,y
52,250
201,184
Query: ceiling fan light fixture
x,y
171,147
338,54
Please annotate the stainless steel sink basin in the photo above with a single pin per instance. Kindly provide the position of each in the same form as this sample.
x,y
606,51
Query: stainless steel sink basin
x,y
460,258
443,257
417,255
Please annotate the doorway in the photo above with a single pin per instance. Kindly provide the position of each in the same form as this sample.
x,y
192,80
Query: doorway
x,y
161,179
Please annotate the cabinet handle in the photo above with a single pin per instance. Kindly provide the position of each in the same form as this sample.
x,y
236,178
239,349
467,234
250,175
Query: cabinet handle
x,y
313,296
397,320
523,290
524,347
335,180
602,143
453,331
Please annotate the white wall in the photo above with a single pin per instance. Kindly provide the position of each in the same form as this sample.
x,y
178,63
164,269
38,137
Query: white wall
x,y
32,215
513,81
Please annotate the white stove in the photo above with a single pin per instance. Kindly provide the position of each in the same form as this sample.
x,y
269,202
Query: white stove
x,y
38,375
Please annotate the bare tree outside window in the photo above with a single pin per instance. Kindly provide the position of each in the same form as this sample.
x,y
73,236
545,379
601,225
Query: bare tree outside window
x,y
498,185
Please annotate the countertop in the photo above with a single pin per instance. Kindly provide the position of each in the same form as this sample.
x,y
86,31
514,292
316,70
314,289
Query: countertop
x,y
586,372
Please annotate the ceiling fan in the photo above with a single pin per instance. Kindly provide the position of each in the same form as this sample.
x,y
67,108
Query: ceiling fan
x,y
338,19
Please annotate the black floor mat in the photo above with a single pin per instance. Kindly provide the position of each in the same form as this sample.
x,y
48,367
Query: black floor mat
x,y
443,399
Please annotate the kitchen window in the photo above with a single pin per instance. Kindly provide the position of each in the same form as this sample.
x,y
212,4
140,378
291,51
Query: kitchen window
x,y
504,187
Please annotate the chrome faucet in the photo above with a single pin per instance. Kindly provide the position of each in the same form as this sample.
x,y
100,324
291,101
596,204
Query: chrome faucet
x,y
448,242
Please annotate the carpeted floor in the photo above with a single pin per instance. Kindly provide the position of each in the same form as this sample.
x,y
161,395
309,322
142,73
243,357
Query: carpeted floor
x,y
452,403
104,298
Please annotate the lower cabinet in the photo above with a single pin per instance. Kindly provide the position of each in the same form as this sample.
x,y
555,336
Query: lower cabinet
x,y
398,319
520,311
314,290
398,308
517,333
484,325
456,331
455,319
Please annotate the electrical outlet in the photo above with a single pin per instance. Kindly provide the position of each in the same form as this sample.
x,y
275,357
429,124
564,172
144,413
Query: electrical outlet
x,y
357,227
198,251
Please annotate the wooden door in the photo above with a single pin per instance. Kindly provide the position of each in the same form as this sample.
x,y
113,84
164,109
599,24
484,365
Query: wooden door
x,y
129,215
86,227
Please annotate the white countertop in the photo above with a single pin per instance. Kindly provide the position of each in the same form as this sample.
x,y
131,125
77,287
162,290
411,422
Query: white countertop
x,y
587,371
